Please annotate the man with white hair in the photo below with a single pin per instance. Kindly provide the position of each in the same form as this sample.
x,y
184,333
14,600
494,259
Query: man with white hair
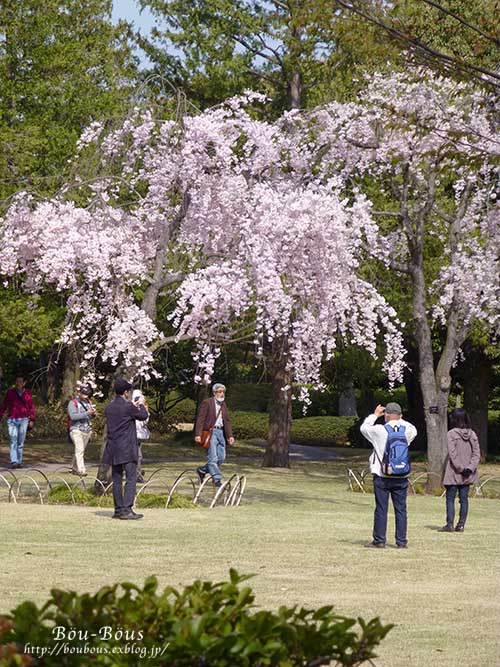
x,y
387,482
213,422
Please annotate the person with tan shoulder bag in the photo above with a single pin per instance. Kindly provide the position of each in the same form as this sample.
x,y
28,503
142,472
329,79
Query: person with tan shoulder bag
x,y
212,430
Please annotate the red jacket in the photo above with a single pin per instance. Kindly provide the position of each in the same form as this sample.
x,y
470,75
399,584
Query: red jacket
x,y
18,407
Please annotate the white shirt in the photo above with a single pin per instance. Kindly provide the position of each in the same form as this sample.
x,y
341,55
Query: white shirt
x,y
219,421
377,435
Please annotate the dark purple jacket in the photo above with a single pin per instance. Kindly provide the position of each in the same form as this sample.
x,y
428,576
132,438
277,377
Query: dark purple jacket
x,y
463,452
121,443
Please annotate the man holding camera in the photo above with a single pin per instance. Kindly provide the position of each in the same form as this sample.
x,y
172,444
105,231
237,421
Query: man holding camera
x,y
385,486
122,451
80,413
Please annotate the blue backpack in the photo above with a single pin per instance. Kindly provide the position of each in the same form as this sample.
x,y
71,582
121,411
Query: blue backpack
x,y
396,461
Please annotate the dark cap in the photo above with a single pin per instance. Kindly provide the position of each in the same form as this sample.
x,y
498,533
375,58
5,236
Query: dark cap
x,y
85,389
121,386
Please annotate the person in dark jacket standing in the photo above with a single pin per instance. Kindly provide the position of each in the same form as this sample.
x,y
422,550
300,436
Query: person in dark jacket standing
x,y
460,469
122,451
213,415
18,404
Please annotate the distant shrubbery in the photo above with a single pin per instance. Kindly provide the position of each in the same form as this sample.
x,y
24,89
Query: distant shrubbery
x,y
248,404
209,624
334,431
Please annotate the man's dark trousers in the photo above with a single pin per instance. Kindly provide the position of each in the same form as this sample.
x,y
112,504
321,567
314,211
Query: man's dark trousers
x,y
124,502
397,489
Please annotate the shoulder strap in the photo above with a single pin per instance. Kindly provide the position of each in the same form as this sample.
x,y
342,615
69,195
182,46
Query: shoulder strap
x,y
216,418
20,397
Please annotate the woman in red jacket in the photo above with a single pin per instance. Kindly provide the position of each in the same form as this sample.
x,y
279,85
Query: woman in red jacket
x,y
461,468
18,403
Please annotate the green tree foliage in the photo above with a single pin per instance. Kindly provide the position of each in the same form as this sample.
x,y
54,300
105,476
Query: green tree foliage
x,y
466,30
28,324
62,65
300,52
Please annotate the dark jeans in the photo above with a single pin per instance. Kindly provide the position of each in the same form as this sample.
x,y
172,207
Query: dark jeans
x,y
397,489
124,502
463,498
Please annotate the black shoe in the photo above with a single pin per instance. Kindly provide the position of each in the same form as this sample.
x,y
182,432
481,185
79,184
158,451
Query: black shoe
x,y
201,475
459,528
117,516
402,546
375,545
446,529
14,466
218,483
130,515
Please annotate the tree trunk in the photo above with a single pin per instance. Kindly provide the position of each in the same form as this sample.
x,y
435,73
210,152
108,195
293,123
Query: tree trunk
x,y
71,374
415,412
476,382
347,402
280,408
434,392
48,389
296,91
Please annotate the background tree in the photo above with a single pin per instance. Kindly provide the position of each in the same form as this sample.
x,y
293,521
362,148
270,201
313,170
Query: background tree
x,y
298,52
62,66
226,206
431,146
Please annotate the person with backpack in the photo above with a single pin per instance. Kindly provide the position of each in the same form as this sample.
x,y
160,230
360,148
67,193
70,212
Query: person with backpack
x,y
390,466
460,469
80,413
18,404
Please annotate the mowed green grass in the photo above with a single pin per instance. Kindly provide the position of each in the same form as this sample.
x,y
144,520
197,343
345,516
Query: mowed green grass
x,y
301,531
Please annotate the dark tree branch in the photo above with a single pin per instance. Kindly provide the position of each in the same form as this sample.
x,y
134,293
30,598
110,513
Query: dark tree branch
x,y
256,52
423,49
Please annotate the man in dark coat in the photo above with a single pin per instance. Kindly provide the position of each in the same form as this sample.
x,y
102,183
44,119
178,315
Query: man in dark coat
x,y
122,451
213,415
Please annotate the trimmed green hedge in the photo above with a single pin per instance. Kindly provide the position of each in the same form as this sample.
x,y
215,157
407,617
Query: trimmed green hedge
x,y
332,431
322,431
206,624
248,397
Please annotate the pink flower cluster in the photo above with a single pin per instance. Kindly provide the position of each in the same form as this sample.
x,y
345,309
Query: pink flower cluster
x,y
270,224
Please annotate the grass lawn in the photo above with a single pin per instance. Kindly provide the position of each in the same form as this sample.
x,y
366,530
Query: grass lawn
x,y
301,531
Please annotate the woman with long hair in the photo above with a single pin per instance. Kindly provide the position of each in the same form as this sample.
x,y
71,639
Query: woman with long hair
x,y
460,469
